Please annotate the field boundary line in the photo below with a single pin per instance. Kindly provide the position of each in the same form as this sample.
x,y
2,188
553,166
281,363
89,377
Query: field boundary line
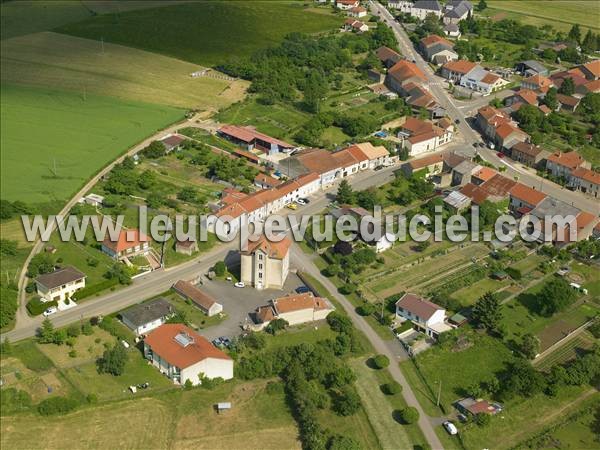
x,y
562,341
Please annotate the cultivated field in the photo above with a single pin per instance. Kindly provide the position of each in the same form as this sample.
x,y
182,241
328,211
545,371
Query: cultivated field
x,y
82,65
561,14
215,32
53,141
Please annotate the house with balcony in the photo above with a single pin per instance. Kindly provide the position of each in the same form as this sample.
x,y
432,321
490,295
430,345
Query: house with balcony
x,y
60,284
426,316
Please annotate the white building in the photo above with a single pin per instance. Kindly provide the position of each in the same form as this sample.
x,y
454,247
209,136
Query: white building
x,y
60,284
426,316
480,80
182,354
266,264
129,243
347,5
145,317
295,309
421,136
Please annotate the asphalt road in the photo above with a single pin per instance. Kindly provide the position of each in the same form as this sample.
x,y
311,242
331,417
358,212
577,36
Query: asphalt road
x,y
456,110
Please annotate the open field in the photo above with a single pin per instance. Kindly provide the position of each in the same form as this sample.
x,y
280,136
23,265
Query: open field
x,y
76,64
214,31
561,14
56,140
567,351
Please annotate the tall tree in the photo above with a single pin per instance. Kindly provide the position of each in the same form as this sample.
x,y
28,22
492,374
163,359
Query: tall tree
x,y
113,360
567,87
575,33
555,296
530,346
46,333
487,313
345,194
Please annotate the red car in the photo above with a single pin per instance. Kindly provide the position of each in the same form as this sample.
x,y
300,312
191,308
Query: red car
x,y
500,155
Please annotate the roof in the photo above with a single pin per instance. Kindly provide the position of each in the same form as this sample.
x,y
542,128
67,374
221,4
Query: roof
x,y
460,66
319,160
200,298
550,206
172,141
127,239
541,81
246,154
532,64
267,180
386,53
344,158
571,160
467,166
498,185
567,100
445,123
358,9
59,277
248,134
592,86
492,115
418,306
506,129
451,27
298,302
490,78
477,194
403,70
526,194
527,149
593,67
528,95
452,160
485,173
372,151
166,342
357,153
420,97
478,406
421,163
273,249
431,5
433,39
185,243
265,313
457,200
144,313
587,175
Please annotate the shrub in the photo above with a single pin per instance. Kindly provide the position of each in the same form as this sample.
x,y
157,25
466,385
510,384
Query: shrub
x,y
366,309
14,400
74,330
35,306
409,415
381,361
346,401
391,388
93,289
347,289
56,405
92,398
113,360
276,325
72,354
483,419
112,326
220,268
515,274
87,329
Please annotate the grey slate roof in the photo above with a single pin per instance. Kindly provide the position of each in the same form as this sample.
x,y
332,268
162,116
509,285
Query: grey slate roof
x,y
60,277
144,313
432,5
532,64
553,207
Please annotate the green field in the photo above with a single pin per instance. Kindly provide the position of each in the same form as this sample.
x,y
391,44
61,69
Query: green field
x,y
53,141
75,64
561,14
205,32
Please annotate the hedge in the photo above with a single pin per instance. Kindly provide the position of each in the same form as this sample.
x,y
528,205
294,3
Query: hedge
x,y
35,306
381,361
95,288
113,327
57,405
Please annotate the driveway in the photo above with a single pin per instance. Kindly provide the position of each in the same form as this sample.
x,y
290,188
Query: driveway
x,y
239,302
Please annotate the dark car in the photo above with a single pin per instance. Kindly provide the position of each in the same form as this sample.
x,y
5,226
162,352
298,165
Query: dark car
x,y
457,121
378,168
305,200
500,155
302,290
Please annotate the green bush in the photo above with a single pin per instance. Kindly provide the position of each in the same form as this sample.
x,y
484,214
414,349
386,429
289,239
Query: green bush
x,y
515,274
112,326
409,415
483,419
93,289
220,268
381,361
56,405
14,400
347,289
366,309
391,388
35,306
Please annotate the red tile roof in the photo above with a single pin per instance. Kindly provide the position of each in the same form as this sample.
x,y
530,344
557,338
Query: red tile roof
x,y
461,66
571,160
248,134
318,160
298,302
418,306
432,39
476,193
188,290
485,173
427,161
527,194
386,53
264,179
127,239
593,67
403,70
163,343
273,249
587,175
498,185
528,95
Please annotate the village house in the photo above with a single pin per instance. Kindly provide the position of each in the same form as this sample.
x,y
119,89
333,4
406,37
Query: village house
x,y
585,180
186,246
419,9
463,172
507,135
538,83
432,164
402,74
437,49
419,136
452,30
295,309
130,243
172,142
529,154
480,80
147,316
473,407
482,175
60,284
201,299
427,317
420,99
455,70
183,355
249,138
523,96
524,199
264,181
457,10
560,164
347,5
355,25
387,56
358,12
265,264
568,102
558,234
591,70
530,68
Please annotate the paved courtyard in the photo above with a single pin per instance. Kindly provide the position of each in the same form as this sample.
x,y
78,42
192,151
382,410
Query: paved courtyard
x,y
239,302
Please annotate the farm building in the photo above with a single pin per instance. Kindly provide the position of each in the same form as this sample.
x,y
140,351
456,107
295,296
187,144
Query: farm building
x,y
251,139
202,300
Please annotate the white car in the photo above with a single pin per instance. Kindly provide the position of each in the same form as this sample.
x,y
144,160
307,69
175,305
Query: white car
x,y
450,428
240,284
301,201
50,311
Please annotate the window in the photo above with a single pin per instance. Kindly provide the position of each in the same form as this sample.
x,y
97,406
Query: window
x,y
260,256
260,275
260,266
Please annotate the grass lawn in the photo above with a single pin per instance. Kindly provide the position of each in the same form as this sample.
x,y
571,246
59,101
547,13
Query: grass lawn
x,y
88,349
381,408
45,129
591,276
561,14
529,263
470,294
277,120
12,264
567,351
71,63
214,31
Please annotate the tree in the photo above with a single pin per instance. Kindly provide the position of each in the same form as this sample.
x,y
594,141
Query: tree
x,y
590,42
188,194
46,332
520,378
381,361
483,419
575,33
567,87
113,360
530,346
155,150
276,325
550,99
486,312
8,247
120,272
339,442
530,118
409,415
220,268
554,297
481,5
40,264
345,194
346,401
391,388
343,248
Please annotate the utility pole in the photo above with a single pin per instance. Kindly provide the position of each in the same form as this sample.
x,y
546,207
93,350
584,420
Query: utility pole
x,y
439,393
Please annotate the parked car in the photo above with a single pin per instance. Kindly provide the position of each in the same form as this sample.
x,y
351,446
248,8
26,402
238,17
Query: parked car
x,y
301,201
450,428
217,342
225,341
305,200
378,168
50,311
302,289
293,206
240,284
500,155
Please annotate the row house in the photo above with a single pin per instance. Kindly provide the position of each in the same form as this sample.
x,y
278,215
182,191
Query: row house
x,y
420,136
561,164
586,181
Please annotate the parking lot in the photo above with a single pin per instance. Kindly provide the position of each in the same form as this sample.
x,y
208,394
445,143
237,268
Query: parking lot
x,y
239,302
